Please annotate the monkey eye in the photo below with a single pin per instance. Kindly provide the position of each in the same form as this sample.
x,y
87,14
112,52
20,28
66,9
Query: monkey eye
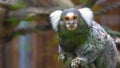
x,y
66,18
74,17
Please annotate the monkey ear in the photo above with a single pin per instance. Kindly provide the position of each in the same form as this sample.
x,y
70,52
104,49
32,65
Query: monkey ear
x,y
87,15
55,18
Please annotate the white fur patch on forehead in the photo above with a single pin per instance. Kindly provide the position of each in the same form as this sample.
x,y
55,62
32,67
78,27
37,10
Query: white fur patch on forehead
x,y
70,14
87,15
55,18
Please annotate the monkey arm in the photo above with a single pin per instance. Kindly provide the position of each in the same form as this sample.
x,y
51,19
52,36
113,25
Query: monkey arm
x,y
62,54
89,55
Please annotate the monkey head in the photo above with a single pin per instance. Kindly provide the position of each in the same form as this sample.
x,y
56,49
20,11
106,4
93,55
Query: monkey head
x,y
71,19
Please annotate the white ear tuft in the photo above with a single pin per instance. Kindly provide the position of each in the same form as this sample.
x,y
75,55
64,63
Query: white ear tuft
x,y
87,15
55,18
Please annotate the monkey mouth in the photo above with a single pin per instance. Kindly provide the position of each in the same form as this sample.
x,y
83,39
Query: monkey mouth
x,y
71,27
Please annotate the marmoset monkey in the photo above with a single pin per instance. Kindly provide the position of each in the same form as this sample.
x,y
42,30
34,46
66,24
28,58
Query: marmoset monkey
x,y
83,40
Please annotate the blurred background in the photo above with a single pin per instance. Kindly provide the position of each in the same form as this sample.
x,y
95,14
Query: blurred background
x,y
27,39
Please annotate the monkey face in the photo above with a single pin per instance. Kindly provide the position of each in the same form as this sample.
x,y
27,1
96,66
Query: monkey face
x,y
71,21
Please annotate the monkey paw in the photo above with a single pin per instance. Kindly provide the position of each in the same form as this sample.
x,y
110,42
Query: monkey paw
x,y
61,57
78,62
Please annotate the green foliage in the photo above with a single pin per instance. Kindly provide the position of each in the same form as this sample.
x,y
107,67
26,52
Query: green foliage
x,y
85,1
18,6
88,3
29,18
18,33
13,21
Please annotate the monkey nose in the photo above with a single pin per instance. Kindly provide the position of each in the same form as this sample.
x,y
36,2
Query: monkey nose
x,y
71,22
